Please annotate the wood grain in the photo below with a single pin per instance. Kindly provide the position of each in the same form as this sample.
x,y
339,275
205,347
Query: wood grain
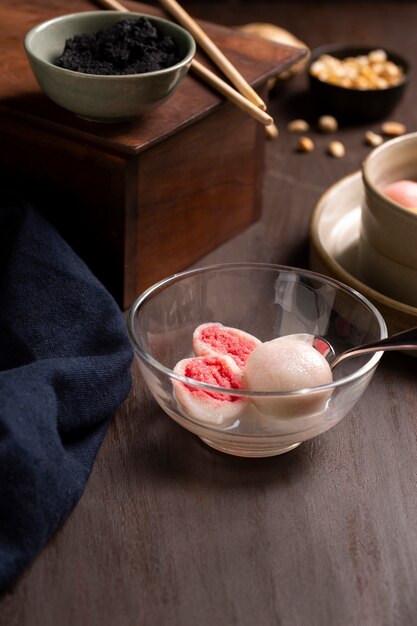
x,y
21,96
192,209
143,187
172,533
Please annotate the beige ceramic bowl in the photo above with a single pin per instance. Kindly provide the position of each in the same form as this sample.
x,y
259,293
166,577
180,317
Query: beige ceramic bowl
x,y
334,248
103,98
388,237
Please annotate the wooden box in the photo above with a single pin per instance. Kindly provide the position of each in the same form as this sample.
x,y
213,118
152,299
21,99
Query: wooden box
x,y
136,201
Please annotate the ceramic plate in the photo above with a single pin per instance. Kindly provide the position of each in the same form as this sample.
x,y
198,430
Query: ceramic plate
x,y
334,242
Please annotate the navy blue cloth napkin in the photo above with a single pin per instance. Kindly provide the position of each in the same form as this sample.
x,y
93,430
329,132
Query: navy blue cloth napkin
x,y
64,369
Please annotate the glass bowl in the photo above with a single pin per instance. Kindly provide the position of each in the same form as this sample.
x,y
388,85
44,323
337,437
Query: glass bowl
x,y
267,301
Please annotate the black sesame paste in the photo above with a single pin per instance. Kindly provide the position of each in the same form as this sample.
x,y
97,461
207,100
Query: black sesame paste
x,y
127,47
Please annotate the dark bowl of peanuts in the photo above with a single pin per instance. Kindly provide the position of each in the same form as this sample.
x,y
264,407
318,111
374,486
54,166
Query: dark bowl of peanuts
x,y
357,83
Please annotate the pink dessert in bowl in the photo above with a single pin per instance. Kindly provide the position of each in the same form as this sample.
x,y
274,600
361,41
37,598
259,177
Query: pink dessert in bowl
x,y
237,360
403,192
387,251
218,339
266,302
287,363
210,406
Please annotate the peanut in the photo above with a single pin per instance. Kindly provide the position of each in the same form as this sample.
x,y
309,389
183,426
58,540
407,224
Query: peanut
x,y
327,124
305,144
372,139
393,129
298,126
336,149
271,131
377,56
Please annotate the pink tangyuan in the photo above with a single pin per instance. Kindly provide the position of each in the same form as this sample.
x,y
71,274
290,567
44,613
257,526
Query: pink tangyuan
x,y
403,192
214,338
210,406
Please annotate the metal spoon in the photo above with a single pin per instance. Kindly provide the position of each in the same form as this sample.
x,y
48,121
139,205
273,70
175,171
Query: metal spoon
x,y
406,340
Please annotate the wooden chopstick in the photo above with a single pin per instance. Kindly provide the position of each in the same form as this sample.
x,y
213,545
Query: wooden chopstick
x,y
113,4
211,78
226,90
210,48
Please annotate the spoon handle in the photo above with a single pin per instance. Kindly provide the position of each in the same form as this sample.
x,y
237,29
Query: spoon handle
x,y
406,340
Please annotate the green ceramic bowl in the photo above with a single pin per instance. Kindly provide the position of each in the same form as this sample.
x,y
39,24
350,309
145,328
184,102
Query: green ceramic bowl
x,y
96,97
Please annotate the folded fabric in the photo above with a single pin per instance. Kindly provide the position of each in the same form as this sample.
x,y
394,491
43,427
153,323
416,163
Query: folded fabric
x,y
64,369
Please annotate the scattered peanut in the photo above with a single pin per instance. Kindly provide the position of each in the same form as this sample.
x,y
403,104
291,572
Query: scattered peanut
x,y
298,126
371,71
327,124
271,131
393,129
336,149
372,139
305,144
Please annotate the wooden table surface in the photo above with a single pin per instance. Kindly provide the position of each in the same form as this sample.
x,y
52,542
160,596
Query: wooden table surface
x,y
170,532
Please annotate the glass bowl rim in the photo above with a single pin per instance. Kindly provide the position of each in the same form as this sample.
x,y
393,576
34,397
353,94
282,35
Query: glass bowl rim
x,y
149,360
